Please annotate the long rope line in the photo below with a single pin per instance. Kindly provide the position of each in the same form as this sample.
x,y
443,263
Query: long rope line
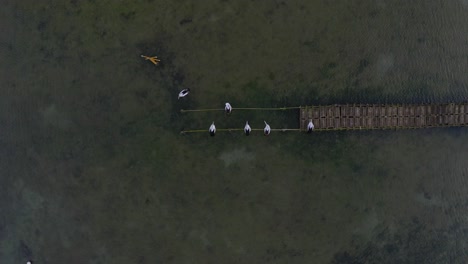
x,y
240,108
236,129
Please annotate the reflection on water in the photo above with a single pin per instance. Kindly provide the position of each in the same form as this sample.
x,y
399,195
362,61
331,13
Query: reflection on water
x,y
93,169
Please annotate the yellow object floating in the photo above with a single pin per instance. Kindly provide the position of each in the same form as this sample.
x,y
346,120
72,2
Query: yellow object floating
x,y
153,59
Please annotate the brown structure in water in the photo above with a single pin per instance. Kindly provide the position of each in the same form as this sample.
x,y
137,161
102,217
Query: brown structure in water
x,y
368,116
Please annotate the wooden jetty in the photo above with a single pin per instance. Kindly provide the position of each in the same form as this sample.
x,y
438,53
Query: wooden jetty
x,y
373,116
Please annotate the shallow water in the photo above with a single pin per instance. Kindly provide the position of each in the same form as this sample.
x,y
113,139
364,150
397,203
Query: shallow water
x,y
93,168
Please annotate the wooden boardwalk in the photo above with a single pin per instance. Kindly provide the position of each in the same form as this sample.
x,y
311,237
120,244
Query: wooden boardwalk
x,y
364,116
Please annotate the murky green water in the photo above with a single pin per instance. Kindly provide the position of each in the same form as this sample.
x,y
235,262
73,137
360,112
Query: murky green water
x,y
93,169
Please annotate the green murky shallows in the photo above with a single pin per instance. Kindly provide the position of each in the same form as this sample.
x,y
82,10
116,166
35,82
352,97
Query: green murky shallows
x,y
93,168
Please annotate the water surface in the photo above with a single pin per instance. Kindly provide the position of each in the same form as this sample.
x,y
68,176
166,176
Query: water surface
x,y
93,168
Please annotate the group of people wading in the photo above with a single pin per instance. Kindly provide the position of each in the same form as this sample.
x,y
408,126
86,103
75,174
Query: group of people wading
x,y
227,108
247,128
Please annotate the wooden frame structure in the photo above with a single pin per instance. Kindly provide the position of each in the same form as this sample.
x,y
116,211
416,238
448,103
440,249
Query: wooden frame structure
x,y
373,116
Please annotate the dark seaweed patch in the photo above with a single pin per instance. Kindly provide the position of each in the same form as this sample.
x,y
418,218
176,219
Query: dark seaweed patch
x,y
185,21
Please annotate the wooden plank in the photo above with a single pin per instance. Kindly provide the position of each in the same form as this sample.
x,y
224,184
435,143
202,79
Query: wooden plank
x,y
343,122
322,123
428,110
433,109
428,120
316,121
442,109
388,111
351,111
462,115
394,111
419,121
330,122
375,122
436,110
451,109
304,112
400,111
364,111
344,110
417,110
456,120
400,121
357,111
323,112
337,111
316,113
357,122
439,119
336,122
330,111
435,120
301,122
394,121
383,111
369,123
423,110
378,110
446,119
432,120
350,122
382,121
412,121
